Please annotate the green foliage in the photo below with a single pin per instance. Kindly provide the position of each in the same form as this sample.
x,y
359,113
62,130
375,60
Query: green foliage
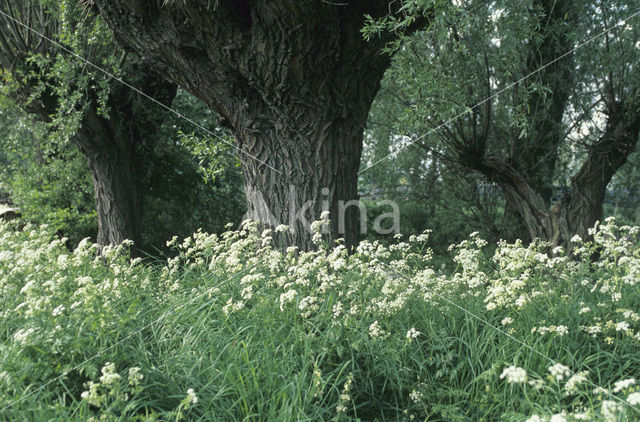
x,y
236,327
45,93
49,183
437,74
193,181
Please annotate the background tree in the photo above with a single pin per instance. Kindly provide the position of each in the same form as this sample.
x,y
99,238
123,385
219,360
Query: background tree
x,y
181,182
104,119
584,104
431,191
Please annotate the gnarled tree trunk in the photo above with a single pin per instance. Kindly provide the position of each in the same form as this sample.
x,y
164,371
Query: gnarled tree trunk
x,y
315,143
580,207
294,79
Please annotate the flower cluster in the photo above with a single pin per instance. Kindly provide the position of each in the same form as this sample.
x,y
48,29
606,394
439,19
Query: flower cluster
x,y
514,375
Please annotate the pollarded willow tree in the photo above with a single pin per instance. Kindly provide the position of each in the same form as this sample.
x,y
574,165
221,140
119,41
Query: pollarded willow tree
x,y
293,78
558,105
104,119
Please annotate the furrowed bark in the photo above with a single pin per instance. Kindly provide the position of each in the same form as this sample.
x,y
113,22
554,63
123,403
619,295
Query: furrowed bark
x,y
111,146
113,164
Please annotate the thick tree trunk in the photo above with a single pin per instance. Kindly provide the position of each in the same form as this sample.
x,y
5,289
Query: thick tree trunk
x,y
316,146
113,170
317,177
111,147
113,162
295,80
520,196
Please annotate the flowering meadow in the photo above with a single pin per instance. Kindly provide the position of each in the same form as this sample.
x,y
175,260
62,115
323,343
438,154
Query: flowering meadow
x,y
235,327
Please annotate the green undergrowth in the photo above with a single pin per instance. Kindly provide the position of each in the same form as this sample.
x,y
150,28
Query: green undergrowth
x,y
235,327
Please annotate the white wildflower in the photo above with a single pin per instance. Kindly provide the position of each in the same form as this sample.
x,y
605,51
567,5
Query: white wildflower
x,y
514,375
247,293
306,302
634,398
623,384
135,377
191,396
92,396
610,410
594,329
28,286
558,417
572,384
375,330
561,330
412,333
109,374
286,298
537,384
559,371
337,309
507,321
339,264
58,310
22,335
282,228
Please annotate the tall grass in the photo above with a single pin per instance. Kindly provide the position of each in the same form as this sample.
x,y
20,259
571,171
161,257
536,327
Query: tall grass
x,y
237,328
